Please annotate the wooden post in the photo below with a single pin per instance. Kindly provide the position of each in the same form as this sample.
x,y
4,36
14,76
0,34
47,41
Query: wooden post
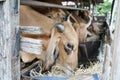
x,y
9,40
115,71
107,61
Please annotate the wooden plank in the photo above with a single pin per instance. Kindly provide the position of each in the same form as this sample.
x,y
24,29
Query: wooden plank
x,y
115,71
113,20
30,45
107,63
31,30
9,25
50,5
31,40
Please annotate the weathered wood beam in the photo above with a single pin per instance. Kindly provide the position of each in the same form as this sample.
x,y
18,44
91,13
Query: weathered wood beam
x,y
115,71
31,30
107,62
30,45
9,40
44,4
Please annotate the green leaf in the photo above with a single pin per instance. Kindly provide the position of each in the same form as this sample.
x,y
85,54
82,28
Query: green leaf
x,y
104,8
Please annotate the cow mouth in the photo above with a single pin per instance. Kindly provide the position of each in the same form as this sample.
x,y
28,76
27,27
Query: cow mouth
x,y
66,69
47,65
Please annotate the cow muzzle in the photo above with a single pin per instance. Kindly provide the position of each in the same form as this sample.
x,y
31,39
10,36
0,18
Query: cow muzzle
x,y
50,61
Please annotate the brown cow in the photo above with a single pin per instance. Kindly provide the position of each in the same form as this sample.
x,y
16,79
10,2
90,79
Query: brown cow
x,y
31,17
62,48
81,27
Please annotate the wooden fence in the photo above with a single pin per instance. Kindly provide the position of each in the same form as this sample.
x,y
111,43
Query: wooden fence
x,y
9,40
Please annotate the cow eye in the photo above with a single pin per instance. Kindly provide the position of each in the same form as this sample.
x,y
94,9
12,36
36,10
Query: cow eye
x,y
68,48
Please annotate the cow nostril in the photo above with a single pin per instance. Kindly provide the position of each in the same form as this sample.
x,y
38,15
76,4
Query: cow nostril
x,y
68,48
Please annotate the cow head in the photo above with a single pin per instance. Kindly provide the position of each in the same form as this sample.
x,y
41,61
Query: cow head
x,y
81,29
62,48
